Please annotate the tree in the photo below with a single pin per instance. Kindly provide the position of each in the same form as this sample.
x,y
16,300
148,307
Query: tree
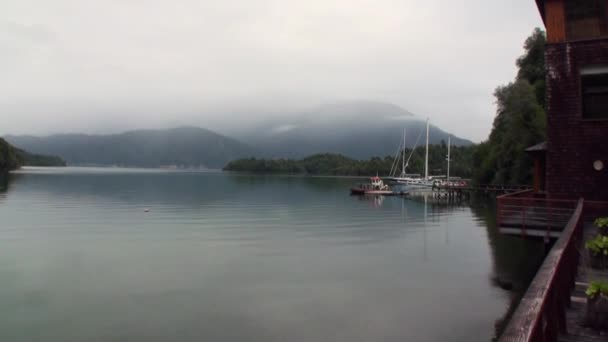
x,y
532,64
519,123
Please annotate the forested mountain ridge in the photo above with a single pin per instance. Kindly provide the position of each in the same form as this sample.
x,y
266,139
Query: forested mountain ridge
x,y
356,129
183,146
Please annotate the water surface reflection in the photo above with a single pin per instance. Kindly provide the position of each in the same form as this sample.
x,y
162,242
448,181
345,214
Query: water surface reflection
x,y
243,258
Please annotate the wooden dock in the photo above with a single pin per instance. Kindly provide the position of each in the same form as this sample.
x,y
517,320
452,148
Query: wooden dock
x,y
483,188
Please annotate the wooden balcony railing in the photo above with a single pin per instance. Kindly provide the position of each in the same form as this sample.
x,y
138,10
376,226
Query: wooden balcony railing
x,y
532,214
541,313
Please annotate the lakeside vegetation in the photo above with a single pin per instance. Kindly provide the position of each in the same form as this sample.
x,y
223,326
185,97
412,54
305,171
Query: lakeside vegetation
x,y
339,165
520,122
12,158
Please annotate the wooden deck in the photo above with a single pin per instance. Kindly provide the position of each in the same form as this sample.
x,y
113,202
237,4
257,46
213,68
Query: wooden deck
x,y
553,307
523,214
575,314
541,313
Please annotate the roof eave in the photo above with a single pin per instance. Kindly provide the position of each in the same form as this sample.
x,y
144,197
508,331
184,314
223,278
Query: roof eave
x,y
538,148
541,8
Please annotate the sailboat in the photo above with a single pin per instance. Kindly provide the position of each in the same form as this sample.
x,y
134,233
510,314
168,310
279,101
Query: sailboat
x,y
413,181
451,182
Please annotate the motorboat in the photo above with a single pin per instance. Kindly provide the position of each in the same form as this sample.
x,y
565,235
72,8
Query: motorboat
x,y
375,187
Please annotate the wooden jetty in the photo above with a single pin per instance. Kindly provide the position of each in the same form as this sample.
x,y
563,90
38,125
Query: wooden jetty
x,y
464,191
487,188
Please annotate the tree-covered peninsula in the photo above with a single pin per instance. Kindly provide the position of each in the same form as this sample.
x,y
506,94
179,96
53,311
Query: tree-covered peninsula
x,y
11,158
339,165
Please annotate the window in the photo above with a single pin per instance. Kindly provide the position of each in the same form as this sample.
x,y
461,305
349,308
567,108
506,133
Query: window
x,y
594,83
586,19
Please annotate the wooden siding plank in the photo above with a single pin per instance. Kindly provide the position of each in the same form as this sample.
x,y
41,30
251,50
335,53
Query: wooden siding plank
x,y
555,21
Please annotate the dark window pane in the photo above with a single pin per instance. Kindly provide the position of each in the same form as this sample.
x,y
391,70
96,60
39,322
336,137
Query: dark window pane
x,y
595,96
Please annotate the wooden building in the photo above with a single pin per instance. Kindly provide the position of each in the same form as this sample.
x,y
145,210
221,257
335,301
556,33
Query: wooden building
x,y
577,99
574,190
573,162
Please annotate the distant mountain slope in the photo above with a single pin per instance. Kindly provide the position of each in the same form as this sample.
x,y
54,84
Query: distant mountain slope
x,y
184,146
359,130
355,129
12,158
31,159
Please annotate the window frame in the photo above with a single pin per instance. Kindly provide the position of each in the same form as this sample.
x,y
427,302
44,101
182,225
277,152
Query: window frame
x,y
591,71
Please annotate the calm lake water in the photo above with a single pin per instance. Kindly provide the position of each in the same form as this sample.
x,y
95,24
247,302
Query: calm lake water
x,y
223,257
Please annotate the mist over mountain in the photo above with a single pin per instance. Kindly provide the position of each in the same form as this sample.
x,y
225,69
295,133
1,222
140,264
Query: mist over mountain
x,y
184,146
359,129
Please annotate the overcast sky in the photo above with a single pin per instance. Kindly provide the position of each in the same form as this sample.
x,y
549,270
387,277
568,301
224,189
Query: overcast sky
x,y
113,65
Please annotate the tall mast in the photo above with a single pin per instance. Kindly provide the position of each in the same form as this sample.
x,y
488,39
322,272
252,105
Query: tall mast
x,y
449,136
426,158
403,162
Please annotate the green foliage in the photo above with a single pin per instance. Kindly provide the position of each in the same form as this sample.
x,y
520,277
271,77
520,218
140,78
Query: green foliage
x,y
532,64
598,246
339,165
602,224
520,121
597,288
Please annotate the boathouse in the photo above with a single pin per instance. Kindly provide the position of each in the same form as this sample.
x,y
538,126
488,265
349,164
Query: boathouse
x,y
573,162
576,60
571,173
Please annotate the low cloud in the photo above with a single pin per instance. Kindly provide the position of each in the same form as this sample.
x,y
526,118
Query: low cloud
x,y
116,65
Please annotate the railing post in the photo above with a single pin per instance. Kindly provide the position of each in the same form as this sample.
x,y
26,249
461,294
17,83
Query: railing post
x,y
561,293
523,219
549,217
